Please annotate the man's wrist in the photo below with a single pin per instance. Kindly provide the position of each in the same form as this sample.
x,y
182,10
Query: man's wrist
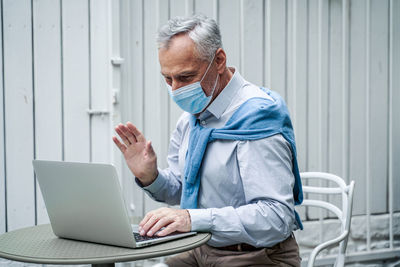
x,y
189,220
148,180
158,184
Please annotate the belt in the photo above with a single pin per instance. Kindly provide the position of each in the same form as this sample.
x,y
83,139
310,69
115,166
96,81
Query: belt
x,y
247,247
239,247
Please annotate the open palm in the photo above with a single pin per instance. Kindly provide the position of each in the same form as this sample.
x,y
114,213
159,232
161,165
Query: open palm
x,y
138,152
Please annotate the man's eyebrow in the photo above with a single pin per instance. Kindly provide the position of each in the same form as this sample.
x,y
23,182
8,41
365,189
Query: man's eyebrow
x,y
184,73
187,73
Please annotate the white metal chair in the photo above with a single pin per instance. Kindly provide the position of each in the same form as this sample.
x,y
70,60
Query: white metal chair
x,y
344,214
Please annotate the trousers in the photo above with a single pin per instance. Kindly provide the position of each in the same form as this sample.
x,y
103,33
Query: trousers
x,y
285,253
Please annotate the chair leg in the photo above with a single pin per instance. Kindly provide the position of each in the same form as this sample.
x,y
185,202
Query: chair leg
x,y
340,260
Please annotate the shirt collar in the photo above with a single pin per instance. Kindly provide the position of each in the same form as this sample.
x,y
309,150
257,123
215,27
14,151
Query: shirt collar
x,y
222,101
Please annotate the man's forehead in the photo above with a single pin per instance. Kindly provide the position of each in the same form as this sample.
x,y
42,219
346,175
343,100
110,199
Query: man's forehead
x,y
179,57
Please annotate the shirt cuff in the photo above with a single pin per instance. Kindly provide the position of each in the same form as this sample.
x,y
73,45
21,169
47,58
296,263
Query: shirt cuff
x,y
155,186
201,219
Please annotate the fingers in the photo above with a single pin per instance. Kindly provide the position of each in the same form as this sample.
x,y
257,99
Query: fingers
x,y
164,221
172,220
127,134
149,149
151,220
143,223
139,136
121,147
171,228
122,136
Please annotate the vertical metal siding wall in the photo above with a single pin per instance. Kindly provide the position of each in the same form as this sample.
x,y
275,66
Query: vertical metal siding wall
x,y
336,62
55,66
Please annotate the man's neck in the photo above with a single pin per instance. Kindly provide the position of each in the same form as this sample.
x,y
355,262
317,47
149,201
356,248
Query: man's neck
x,y
225,77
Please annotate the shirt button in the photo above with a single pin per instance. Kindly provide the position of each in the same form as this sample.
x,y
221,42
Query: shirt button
x,y
203,122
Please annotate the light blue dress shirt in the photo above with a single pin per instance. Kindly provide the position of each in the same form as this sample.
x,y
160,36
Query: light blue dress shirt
x,y
246,191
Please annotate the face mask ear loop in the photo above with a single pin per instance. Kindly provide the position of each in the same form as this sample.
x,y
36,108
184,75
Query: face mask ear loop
x,y
215,86
209,65
212,92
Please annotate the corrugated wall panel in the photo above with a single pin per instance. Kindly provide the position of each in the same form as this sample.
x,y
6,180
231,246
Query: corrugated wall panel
x,y
48,88
164,100
316,93
394,146
206,7
175,8
323,84
76,69
300,80
317,88
337,96
323,79
336,106
132,95
19,125
115,33
290,60
277,22
345,87
3,212
378,103
100,80
229,14
357,110
155,94
252,41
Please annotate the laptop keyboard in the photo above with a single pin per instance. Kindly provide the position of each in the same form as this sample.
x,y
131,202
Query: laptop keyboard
x,y
140,238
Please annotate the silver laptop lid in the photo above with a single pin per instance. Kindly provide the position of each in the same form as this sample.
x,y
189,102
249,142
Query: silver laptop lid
x,y
84,202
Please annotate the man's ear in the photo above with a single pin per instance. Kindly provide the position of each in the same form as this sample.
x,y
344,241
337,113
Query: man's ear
x,y
220,59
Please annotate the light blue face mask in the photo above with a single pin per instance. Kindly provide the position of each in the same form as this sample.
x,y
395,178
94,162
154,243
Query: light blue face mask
x,y
191,97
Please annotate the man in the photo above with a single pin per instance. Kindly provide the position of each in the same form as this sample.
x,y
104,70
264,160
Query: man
x,y
232,159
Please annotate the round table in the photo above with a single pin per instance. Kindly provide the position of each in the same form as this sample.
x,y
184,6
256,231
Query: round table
x,y
38,244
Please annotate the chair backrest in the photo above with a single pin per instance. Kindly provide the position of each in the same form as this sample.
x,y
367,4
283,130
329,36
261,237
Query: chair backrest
x,y
344,213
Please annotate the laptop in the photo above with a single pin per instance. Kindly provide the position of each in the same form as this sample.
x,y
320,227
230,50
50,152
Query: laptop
x,y
84,202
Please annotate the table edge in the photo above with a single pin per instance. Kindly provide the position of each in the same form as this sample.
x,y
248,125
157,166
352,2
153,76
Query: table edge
x,y
108,259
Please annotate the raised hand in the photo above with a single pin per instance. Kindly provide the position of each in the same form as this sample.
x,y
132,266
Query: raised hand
x,y
138,153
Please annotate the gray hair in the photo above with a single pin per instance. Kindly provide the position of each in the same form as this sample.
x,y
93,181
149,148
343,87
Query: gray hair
x,y
202,30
